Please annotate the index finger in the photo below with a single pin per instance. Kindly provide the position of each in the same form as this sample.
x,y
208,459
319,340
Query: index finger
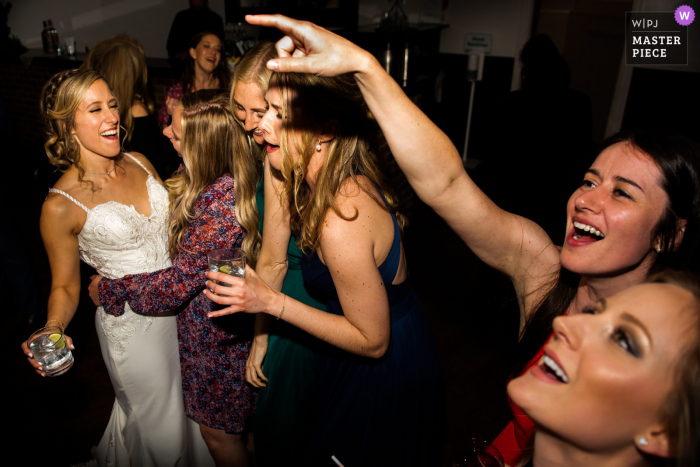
x,y
283,23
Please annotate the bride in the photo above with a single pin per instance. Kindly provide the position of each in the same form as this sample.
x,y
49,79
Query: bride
x,y
110,210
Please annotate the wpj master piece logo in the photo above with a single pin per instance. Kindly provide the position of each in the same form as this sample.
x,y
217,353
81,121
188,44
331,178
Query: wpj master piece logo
x,y
658,38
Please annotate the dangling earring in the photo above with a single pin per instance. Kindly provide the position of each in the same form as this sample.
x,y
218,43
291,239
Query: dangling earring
x,y
318,146
642,441
658,249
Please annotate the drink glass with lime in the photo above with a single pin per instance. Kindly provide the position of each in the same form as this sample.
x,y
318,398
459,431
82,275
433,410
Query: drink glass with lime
x,y
50,349
228,261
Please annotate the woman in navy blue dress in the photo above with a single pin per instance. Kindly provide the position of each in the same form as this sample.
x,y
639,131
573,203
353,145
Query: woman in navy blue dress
x,y
379,395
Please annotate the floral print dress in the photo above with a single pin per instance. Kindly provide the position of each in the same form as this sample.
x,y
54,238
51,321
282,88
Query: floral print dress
x,y
213,352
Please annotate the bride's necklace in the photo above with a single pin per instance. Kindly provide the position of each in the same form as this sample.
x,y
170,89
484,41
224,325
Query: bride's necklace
x,y
102,173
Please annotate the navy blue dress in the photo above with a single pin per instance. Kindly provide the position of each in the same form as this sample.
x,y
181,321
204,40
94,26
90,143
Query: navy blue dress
x,y
385,411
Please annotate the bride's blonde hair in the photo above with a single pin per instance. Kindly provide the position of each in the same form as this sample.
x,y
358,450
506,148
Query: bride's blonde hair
x,y
213,144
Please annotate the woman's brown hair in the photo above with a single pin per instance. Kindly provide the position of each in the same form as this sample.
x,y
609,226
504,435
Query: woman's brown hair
x,y
122,63
309,104
221,72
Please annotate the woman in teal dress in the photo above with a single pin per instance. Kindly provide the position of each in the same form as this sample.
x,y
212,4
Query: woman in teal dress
x,y
282,361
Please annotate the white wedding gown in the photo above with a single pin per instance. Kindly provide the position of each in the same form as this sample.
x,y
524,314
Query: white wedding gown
x,y
148,426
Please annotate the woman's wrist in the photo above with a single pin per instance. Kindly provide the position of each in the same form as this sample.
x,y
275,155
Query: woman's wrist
x,y
367,66
276,304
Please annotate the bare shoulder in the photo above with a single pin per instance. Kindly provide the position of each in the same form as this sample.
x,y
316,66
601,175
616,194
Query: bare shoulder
x,y
61,215
144,160
358,194
358,215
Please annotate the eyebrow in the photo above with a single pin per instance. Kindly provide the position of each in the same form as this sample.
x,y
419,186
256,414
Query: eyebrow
x,y
618,178
100,102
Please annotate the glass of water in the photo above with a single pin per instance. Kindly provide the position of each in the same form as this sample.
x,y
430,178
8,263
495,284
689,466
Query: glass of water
x,y
228,261
50,349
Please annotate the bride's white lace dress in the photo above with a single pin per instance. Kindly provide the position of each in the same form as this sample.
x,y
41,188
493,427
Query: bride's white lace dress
x,y
148,425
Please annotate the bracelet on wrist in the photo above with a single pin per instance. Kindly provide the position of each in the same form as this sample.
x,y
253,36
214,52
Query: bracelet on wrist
x,y
282,310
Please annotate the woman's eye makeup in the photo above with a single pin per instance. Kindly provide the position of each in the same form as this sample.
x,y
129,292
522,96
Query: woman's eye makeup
x,y
587,183
624,339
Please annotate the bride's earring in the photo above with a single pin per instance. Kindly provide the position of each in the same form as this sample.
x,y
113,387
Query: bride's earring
x,y
318,146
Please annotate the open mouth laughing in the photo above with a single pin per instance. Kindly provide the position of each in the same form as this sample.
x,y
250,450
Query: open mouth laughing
x,y
110,134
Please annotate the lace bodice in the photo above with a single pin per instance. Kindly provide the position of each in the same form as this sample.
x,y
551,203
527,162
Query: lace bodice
x,y
117,240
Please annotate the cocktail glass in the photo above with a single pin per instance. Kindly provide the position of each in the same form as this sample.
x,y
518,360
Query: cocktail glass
x,y
50,349
227,261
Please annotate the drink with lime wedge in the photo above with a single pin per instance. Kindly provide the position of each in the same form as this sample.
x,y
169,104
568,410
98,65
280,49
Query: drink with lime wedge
x,y
228,261
49,347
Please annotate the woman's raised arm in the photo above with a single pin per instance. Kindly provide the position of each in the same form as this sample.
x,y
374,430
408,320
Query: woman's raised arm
x,y
433,167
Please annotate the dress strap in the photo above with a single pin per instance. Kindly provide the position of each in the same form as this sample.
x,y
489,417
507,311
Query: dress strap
x,y
139,163
54,190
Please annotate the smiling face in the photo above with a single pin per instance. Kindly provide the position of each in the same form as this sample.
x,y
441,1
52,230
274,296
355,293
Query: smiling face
x,y
207,54
612,215
605,376
250,107
174,131
96,124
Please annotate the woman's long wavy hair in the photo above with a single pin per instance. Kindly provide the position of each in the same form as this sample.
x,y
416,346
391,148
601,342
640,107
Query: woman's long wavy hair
x,y
221,71
122,63
213,145
253,69
678,158
681,410
60,99
309,104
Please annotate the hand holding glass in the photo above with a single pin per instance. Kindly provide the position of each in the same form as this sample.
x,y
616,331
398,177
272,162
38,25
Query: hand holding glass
x,y
231,262
50,349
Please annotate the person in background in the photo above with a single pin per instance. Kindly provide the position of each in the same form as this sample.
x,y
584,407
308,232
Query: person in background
x,y
122,63
212,206
282,361
188,23
542,125
204,69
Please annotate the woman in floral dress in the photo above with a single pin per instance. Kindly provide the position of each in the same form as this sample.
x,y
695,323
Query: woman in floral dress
x,y
209,210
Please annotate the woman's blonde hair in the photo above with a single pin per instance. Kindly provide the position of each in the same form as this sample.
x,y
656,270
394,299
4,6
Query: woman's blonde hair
x,y
60,99
315,102
122,63
213,145
253,69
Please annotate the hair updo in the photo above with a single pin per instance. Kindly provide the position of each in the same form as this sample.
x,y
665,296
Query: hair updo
x,y
60,99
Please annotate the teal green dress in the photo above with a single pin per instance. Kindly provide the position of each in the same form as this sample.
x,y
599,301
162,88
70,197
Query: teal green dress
x,y
284,417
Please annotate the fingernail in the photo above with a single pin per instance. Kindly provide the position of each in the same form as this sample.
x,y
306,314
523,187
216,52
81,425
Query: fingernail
x,y
273,65
30,355
211,290
72,347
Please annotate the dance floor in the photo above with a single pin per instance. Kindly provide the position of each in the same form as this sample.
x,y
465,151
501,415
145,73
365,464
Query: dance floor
x,y
471,310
